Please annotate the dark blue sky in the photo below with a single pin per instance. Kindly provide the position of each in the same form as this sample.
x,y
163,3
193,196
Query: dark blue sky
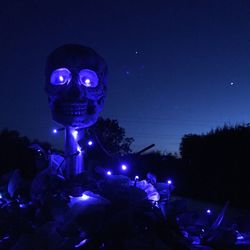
x,y
175,67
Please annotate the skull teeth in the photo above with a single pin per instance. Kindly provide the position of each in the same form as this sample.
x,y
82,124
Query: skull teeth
x,y
69,109
74,113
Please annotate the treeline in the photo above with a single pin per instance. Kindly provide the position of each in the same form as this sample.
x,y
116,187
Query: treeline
x,y
217,164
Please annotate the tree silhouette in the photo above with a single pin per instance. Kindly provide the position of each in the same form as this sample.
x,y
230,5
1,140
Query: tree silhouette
x,y
218,163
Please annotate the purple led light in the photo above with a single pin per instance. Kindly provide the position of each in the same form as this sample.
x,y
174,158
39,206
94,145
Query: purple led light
x,y
61,78
137,177
54,131
124,167
87,82
75,134
208,211
84,197
169,182
88,78
90,143
109,173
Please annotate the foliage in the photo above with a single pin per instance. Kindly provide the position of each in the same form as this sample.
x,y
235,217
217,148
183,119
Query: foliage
x,y
111,213
111,136
217,164
16,153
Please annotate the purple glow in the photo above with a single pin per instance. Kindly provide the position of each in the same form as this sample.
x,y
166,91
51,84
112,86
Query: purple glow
x,y
90,143
239,235
54,131
75,134
137,177
124,167
1,196
87,82
22,206
84,197
60,77
83,242
79,149
169,182
88,78
109,173
208,211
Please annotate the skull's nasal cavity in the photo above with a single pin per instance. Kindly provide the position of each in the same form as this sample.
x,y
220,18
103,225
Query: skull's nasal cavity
x,y
75,92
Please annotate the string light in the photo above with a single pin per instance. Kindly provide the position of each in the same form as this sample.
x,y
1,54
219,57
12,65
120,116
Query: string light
x,y
75,134
109,172
90,143
136,179
124,167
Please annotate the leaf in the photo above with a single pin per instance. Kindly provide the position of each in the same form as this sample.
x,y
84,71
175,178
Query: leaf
x,y
15,182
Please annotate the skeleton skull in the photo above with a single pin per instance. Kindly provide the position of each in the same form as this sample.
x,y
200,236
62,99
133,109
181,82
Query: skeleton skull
x,y
76,85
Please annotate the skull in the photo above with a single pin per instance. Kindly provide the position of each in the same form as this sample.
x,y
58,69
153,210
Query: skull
x,y
76,85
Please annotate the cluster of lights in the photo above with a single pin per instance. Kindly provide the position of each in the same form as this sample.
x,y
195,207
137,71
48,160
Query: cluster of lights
x,y
90,143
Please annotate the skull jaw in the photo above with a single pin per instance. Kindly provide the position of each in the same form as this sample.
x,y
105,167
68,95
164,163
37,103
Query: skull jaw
x,y
77,121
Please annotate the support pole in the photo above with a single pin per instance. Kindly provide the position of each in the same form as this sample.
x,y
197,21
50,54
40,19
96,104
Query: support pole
x,y
74,155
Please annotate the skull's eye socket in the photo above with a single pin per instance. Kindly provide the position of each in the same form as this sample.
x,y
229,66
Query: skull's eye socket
x,y
60,76
88,78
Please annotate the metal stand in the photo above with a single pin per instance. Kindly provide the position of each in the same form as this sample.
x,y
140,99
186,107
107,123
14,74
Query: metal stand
x,y
74,155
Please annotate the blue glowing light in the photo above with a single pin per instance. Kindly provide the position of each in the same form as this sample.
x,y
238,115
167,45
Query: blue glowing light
x,y
169,182
88,78
75,134
54,131
124,167
1,196
60,77
90,143
84,197
109,173
239,235
137,177
79,149
208,211
83,242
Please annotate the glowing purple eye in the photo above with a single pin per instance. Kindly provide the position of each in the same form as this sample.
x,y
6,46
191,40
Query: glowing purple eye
x,y
60,76
88,78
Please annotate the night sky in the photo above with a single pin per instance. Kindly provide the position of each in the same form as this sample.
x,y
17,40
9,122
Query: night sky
x,y
175,67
